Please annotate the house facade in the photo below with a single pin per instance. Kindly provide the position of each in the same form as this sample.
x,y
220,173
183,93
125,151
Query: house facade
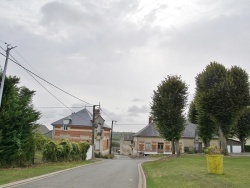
x,y
77,127
148,141
126,143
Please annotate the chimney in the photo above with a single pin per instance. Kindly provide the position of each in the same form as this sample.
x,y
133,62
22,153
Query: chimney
x,y
150,120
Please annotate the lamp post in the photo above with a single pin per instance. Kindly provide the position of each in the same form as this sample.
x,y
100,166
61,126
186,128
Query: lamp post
x,y
110,146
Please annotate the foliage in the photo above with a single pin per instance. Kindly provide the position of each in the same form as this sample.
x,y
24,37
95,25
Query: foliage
x,y
213,150
206,127
247,148
192,113
115,144
222,94
167,108
17,124
242,127
50,151
64,151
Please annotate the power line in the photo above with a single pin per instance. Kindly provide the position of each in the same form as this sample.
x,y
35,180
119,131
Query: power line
x,y
46,80
38,73
106,114
3,41
48,90
62,107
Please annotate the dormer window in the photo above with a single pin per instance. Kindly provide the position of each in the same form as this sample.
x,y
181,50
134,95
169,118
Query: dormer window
x,y
66,121
65,127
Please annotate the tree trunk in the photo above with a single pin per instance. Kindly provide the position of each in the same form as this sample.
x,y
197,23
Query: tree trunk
x,y
173,146
242,142
223,141
177,148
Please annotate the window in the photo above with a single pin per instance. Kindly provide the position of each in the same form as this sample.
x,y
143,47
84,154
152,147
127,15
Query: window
x,y
147,146
160,146
65,127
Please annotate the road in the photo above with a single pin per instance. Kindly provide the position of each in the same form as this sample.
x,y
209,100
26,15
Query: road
x,y
121,172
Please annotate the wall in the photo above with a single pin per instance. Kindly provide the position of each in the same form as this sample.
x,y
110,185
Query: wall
x,y
141,144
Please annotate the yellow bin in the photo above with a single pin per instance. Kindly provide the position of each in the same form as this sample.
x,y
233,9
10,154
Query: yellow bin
x,y
215,164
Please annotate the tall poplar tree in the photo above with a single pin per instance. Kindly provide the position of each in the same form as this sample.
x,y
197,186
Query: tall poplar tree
x,y
169,101
222,94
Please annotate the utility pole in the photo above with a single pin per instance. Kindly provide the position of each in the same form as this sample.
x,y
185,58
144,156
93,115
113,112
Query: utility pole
x,y
4,71
110,146
93,131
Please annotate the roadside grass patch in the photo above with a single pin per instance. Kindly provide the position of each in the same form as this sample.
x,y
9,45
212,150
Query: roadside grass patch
x,y
191,171
14,174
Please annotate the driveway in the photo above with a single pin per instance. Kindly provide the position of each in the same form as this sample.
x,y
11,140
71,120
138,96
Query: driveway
x,y
121,172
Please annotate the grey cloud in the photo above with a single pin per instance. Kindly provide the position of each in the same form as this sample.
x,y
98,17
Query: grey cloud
x,y
135,109
137,100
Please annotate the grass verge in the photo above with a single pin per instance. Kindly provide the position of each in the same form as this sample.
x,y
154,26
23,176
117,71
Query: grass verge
x,y
15,174
191,171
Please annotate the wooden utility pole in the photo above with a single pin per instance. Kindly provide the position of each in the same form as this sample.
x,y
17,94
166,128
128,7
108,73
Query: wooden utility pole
x,y
93,131
110,146
4,71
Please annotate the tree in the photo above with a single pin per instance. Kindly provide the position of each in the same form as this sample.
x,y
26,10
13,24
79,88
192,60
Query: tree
x,y
192,113
222,94
167,109
205,126
17,120
243,128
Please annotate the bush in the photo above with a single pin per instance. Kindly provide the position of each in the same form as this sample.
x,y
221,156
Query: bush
x,y
213,150
50,151
247,148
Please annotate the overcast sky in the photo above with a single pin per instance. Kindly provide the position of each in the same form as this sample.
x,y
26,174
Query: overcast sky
x,y
116,52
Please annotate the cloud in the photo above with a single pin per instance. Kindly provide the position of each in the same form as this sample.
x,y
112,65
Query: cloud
x,y
137,110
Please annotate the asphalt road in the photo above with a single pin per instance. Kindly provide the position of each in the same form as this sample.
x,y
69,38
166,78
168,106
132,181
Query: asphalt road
x,y
121,172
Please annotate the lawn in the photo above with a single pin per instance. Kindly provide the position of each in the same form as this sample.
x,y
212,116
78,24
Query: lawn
x,y
191,171
15,174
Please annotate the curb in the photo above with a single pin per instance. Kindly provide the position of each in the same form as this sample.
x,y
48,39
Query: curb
x,y
142,179
20,182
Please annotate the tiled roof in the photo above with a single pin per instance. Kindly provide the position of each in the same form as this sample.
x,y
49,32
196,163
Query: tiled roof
x,y
151,131
80,118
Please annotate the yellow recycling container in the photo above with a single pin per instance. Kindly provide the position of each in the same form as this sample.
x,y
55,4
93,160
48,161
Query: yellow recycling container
x,y
215,164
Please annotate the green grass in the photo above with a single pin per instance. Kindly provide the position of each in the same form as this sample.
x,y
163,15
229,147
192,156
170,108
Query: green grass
x,y
15,174
191,171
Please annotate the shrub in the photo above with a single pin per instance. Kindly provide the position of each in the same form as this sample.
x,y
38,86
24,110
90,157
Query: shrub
x,y
247,148
67,149
83,146
213,150
50,151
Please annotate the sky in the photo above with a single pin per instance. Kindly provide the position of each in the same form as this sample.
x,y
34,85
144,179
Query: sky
x,y
116,52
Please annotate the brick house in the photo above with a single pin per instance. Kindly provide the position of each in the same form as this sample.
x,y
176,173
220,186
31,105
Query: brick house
x,y
79,128
149,141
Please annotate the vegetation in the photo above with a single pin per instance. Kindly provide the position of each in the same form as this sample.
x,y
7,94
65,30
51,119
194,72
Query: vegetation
x,y
15,174
64,151
17,124
222,94
191,171
213,150
167,109
242,128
